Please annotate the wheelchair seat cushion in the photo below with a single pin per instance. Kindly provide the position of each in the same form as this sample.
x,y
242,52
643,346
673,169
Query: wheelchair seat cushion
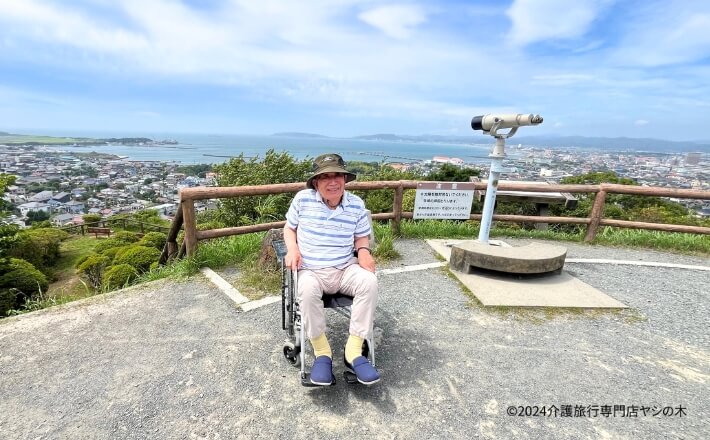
x,y
337,300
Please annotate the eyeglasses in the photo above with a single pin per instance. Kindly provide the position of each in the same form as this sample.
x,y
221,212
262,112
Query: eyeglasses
x,y
331,176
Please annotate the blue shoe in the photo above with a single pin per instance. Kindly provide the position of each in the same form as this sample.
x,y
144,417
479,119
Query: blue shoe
x,y
363,369
322,371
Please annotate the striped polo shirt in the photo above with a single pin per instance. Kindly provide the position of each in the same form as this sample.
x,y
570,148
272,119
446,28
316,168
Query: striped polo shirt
x,y
326,236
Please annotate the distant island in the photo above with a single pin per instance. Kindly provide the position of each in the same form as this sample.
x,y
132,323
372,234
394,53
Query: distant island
x,y
295,134
620,144
23,140
601,143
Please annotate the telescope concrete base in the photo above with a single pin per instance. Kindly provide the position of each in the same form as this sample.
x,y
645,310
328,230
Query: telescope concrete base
x,y
552,289
533,258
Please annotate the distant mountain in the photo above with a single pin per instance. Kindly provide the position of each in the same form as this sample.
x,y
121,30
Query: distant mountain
x,y
296,134
417,138
602,143
619,143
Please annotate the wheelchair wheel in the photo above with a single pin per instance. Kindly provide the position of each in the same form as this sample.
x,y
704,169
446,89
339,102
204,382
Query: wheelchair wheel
x,y
292,354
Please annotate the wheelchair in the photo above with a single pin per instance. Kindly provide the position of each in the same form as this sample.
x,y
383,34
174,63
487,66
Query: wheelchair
x,y
294,347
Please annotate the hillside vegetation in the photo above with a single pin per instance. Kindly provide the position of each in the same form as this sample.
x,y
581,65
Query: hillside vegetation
x,y
42,266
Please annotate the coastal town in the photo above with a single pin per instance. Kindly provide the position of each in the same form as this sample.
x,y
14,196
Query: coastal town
x,y
65,186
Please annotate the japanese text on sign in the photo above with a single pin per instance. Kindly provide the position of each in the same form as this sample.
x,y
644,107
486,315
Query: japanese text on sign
x,y
443,201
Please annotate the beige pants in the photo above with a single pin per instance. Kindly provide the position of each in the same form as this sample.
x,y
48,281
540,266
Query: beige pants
x,y
352,281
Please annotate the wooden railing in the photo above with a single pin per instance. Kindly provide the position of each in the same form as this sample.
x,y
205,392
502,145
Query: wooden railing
x,y
124,222
186,211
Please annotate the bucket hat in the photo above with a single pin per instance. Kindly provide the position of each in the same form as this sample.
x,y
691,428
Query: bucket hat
x,y
329,163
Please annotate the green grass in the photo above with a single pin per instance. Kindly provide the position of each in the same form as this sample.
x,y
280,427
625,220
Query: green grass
x,y
636,238
241,251
255,282
67,285
384,243
47,140
667,241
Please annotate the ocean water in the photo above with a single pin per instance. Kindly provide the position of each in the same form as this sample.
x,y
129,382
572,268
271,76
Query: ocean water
x,y
193,148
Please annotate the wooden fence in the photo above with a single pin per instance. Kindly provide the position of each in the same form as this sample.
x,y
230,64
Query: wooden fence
x,y
124,222
186,211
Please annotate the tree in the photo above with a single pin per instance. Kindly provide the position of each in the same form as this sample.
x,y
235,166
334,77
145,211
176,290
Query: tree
x,y
274,168
625,206
93,268
5,181
452,173
91,218
381,200
37,216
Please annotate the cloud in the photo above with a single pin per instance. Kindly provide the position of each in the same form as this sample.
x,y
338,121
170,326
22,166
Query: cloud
x,y
656,38
640,122
560,79
431,65
147,113
539,20
397,21
44,22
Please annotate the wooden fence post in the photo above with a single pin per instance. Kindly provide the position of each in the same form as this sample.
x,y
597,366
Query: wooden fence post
x,y
596,215
397,208
189,222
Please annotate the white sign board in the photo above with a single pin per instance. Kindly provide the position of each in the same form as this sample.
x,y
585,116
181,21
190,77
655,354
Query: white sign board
x,y
443,200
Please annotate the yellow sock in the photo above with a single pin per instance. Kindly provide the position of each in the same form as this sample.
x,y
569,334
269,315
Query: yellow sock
x,y
353,348
321,346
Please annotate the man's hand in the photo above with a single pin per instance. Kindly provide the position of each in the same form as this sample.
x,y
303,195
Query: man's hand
x,y
365,260
293,259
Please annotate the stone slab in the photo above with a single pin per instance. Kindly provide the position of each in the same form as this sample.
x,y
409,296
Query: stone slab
x,y
554,290
532,258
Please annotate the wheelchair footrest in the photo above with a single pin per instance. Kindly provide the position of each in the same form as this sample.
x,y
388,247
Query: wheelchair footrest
x,y
350,377
306,381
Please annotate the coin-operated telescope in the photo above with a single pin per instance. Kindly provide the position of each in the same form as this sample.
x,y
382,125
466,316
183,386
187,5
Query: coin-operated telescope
x,y
490,124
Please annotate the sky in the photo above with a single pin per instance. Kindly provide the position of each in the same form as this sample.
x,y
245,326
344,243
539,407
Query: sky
x,y
348,67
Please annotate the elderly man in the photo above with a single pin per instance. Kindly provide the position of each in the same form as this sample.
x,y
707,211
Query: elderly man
x,y
325,227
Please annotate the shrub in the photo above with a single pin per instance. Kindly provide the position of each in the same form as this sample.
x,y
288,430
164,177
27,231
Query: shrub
x,y
110,243
118,276
127,236
8,237
39,246
274,168
81,260
206,226
23,276
380,200
452,173
8,300
139,257
91,218
112,252
154,239
93,268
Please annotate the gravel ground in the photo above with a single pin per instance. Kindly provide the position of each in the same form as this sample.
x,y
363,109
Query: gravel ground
x,y
168,360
